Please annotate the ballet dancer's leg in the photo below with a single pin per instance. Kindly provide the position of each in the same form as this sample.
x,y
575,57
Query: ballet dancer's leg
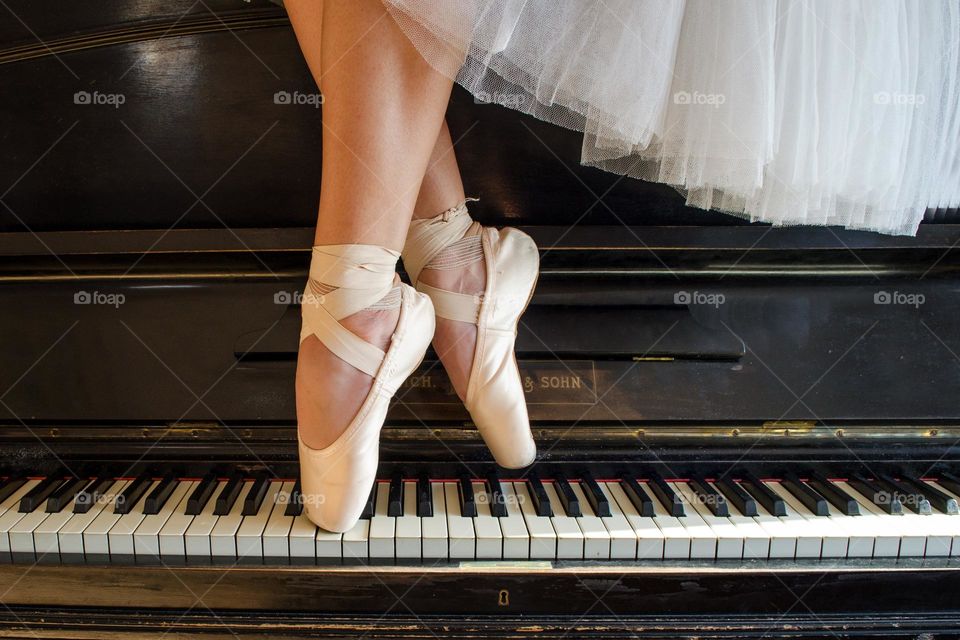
x,y
382,114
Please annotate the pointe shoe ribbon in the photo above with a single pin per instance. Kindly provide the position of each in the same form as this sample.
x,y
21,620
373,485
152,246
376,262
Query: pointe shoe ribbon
x,y
336,480
495,397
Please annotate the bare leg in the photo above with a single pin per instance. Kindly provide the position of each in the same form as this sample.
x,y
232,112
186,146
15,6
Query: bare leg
x,y
383,110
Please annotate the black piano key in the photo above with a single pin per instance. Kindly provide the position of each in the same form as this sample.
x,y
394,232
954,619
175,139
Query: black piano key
x,y
395,499
710,497
807,496
424,497
937,499
254,498
498,503
876,494
595,496
65,494
39,494
370,506
129,497
159,496
201,494
738,496
950,482
294,506
468,502
228,495
665,494
568,499
640,498
541,501
91,494
770,501
845,503
909,496
10,487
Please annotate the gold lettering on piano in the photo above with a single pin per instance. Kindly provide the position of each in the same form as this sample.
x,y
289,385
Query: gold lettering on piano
x,y
503,599
424,381
561,382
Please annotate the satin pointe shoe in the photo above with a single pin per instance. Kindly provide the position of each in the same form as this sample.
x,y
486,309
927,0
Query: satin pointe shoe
x,y
494,395
336,480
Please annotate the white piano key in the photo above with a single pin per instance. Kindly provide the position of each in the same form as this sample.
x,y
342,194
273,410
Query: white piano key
x,y
70,537
408,533
197,539
250,533
434,528
676,538
543,539
21,534
96,537
516,538
861,530
487,527
596,538
569,533
729,538
302,540
356,542
463,537
649,536
756,539
623,538
120,535
886,527
817,536
172,536
329,544
953,528
703,543
783,540
223,537
45,540
10,516
383,527
276,533
146,539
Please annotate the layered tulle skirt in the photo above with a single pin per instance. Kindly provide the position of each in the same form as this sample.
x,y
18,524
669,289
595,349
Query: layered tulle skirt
x,y
828,112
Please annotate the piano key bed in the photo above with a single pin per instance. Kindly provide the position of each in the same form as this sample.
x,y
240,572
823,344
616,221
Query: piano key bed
x,y
644,519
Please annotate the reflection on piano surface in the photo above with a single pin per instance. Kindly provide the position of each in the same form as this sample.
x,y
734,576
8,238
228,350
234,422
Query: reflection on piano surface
x,y
743,430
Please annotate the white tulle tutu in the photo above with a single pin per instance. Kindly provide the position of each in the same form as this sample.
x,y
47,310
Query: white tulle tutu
x,y
829,112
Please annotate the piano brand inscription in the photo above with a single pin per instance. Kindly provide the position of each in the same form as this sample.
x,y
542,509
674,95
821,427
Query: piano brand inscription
x,y
544,382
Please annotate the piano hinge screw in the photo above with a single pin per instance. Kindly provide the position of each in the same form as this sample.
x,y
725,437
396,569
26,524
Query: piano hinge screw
x,y
195,433
248,433
54,433
145,433
735,433
839,433
934,432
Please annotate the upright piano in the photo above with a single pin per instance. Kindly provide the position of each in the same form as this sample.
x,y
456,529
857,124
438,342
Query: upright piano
x,y
743,430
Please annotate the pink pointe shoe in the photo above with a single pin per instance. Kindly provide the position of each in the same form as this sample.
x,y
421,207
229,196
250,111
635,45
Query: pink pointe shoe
x,y
494,396
336,480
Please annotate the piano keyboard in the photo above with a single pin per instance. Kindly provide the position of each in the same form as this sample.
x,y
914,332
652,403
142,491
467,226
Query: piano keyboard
x,y
260,520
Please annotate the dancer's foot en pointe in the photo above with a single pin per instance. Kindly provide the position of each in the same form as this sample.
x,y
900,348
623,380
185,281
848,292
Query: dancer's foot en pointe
x,y
480,280
363,334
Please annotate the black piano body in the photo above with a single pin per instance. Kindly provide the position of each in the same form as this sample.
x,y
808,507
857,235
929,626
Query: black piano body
x,y
158,190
